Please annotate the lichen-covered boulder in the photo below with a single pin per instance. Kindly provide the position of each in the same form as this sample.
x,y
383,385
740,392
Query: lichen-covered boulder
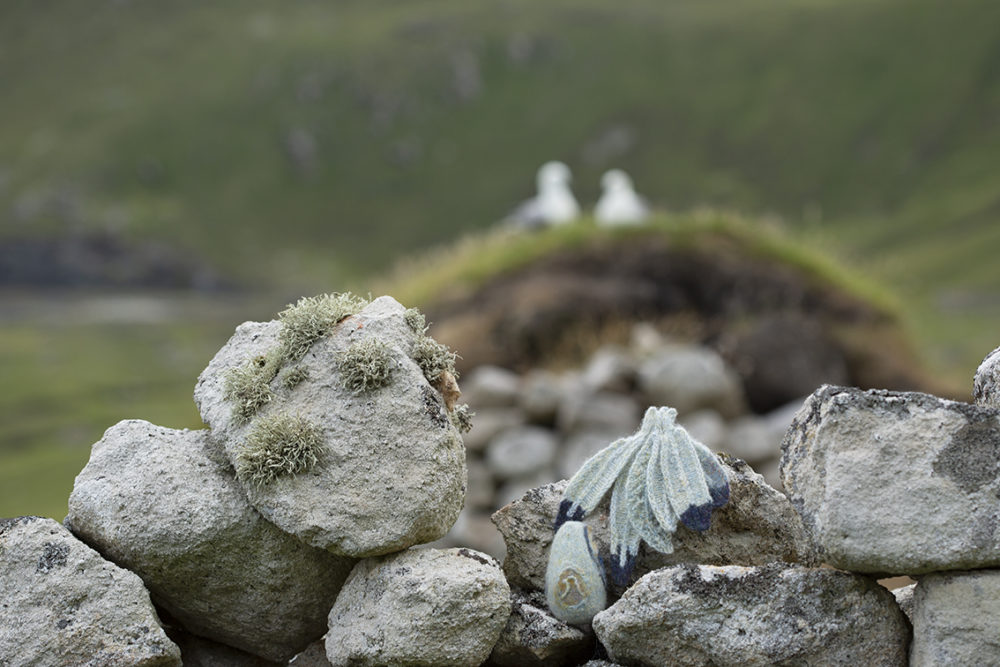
x,y
340,420
165,504
757,526
986,386
955,618
701,615
441,607
895,483
533,637
61,604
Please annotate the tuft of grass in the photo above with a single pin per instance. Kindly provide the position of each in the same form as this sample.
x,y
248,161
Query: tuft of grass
x,y
279,445
434,359
249,386
311,318
366,365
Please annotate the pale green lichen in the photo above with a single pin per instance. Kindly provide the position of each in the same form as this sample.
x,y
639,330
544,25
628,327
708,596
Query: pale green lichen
x,y
365,365
292,377
249,386
313,317
461,418
278,445
434,358
416,321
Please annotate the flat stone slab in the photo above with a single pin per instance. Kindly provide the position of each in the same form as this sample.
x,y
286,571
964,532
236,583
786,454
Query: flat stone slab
x,y
757,526
162,503
702,615
391,465
956,619
895,483
62,604
442,607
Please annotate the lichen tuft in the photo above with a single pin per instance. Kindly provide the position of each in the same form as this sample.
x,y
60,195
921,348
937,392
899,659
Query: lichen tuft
x,y
278,445
434,359
416,321
313,317
461,418
292,377
365,365
249,386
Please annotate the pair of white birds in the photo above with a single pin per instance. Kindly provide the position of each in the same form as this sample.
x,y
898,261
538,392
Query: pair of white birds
x,y
555,204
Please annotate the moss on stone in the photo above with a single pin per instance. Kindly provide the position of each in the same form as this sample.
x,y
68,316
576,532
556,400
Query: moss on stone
x,y
434,359
249,386
313,317
278,445
366,365
461,417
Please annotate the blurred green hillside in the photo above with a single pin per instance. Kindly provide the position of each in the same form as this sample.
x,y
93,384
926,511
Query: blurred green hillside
x,y
305,146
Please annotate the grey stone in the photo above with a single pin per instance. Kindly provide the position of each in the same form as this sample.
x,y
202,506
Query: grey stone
x,y
419,607
200,652
521,452
955,619
895,483
63,604
541,394
474,530
313,656
603,411
491,387
752,439
488,424
516,488
689,378
757,526
161,503
904,598
691,615
707,427
534,637
610,368
986,387
480,491
391,472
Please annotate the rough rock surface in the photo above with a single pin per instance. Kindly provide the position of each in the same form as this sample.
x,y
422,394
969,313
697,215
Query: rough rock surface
x,y
160,502
200,652
419,607
757,526
691,615
904,598
955,619
313,656
986,387
62,604
534,637
521,452
895,483
381,484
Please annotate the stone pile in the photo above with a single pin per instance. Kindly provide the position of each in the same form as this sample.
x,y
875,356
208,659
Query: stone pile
x,y
298,528
541,426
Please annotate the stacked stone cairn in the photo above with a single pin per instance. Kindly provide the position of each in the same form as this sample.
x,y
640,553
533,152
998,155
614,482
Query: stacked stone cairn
x,y
295,529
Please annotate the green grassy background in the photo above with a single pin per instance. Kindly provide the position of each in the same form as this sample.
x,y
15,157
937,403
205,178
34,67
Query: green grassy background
x,y
867,127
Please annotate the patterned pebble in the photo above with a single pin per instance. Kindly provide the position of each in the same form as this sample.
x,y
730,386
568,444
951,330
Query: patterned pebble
x,y
574,585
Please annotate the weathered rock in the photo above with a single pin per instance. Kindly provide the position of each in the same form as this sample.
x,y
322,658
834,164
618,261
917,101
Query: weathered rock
x,y
488,424
986,387
313,656
955,619
904,598
62,604
419,607
391,468
521,452
533,636
611,368
541,394
491,387
691,615
751,439
161,503
582,411
895,483
480,492
475,530
757,526
690,378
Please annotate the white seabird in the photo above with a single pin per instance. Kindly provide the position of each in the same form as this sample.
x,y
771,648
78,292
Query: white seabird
x,y
619,204
553,205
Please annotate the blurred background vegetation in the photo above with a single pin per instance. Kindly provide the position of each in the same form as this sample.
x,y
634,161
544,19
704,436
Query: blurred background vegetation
x,y
168,170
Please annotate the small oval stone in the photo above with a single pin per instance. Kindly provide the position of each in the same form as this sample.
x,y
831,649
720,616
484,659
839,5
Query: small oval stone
x,y
574,585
